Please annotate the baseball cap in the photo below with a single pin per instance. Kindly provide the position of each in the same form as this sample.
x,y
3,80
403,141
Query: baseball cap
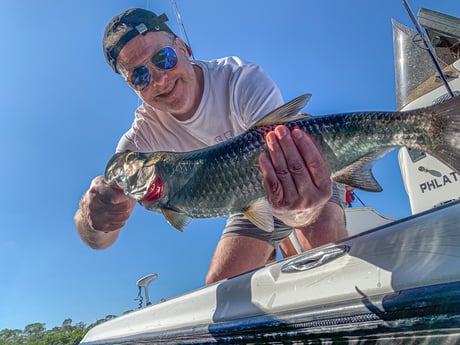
x,y
138,21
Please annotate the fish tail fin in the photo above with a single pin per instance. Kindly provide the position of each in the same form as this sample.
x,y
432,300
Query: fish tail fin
x,y
286,113
447,126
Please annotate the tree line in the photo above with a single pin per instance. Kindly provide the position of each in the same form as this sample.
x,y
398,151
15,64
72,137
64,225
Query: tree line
x,y
37,334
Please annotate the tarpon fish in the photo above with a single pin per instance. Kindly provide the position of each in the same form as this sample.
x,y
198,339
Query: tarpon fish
x,y
226,179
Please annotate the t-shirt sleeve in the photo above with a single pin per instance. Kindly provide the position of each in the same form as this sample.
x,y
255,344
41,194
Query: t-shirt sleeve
x,y
138,137
126,143
255,94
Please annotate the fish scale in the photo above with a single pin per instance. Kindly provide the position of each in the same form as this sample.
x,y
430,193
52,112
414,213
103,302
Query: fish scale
x,y
226,179
221,182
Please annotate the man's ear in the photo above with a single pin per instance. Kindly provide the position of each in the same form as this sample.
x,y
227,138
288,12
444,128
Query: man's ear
x,y
184,47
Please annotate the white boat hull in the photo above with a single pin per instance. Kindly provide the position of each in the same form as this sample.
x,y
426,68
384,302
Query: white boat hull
x,y
399,281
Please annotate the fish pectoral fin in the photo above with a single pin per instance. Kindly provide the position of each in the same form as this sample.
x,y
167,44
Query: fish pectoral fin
x,y
286,113
260,214
176,219
359,173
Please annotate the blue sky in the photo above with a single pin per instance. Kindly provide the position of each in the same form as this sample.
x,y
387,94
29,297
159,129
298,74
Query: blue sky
x,y
63,111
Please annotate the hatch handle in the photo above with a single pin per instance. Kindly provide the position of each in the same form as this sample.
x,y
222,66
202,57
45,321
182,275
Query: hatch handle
x,y
312,259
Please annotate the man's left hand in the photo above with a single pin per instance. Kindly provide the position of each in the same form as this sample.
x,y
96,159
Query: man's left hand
x,y
297,178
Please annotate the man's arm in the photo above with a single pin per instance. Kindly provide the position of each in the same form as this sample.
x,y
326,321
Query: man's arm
x,y
299,187
103,211
329,227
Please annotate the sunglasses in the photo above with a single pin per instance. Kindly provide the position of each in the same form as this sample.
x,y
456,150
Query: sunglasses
x,y
164,59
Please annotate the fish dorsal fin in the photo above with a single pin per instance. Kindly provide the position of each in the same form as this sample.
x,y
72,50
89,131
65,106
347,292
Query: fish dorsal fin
x,y
359,173
260,214
176,219
286,113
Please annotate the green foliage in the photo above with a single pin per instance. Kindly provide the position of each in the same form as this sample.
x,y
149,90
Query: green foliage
x,y
37,334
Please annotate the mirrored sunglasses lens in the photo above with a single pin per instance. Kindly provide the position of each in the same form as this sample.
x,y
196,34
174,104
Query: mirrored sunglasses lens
x,y
165,58
140,78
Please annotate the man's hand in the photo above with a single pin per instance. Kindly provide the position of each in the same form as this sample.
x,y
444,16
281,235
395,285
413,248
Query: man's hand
x,y
296,176
106,208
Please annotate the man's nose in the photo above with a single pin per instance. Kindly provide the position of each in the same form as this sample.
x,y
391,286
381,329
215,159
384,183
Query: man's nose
x,y
158,76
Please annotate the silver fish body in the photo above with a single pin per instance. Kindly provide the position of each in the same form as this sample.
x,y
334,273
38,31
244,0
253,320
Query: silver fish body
x,y
225,178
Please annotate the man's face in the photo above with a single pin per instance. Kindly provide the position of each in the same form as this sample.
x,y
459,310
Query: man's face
x,y
175,90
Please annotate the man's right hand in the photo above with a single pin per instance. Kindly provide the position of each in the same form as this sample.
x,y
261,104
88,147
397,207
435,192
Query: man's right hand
x,y
106,208
103,211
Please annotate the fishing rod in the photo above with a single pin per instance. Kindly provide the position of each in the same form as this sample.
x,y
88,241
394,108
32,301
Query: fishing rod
x,y
429,48
182,26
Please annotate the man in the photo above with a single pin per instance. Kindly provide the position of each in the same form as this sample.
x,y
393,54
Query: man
x,y
189,105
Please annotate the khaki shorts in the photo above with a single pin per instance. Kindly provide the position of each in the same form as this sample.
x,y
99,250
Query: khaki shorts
x,y
239,225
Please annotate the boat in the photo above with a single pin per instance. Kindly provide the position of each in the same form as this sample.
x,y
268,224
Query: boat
x,y
390,282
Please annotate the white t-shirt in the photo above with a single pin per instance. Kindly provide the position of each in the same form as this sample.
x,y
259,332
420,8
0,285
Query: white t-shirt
x,y
236,94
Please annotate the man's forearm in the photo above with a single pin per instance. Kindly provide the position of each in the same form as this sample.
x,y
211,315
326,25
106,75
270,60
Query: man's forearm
x,y
298,218
328,226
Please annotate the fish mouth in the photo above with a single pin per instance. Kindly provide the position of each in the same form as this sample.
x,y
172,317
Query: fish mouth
x,y
132,172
